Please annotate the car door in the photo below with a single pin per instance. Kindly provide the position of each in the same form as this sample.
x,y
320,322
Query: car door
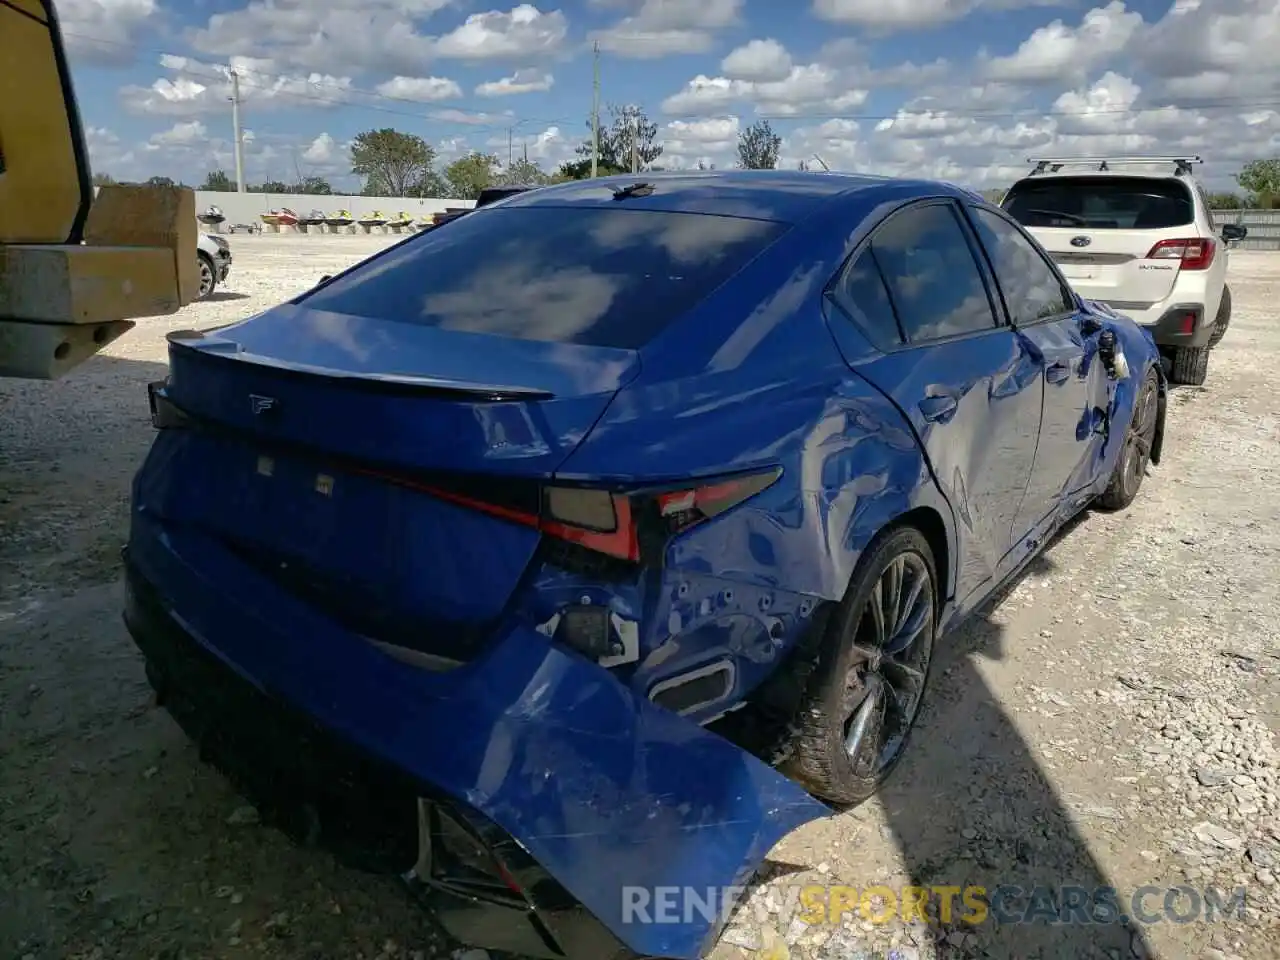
x,y
971,389
1042,310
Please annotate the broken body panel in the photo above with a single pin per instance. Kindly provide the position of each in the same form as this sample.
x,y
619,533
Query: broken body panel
x,y
295,529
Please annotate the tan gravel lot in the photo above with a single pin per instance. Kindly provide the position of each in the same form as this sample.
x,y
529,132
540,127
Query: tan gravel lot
x,y
1109,723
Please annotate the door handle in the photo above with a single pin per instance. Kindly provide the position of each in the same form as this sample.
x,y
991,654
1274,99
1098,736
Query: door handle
x,y
938,409
1057,372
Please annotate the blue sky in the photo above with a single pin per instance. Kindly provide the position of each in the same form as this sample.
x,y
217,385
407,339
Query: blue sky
x,y
961,89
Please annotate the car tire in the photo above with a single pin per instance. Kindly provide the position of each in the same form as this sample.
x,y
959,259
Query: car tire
x,y
1190,366
1135,451
208,275
1223,320
865,679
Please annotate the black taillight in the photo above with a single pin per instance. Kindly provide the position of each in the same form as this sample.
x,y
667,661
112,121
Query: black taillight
x,y
165,414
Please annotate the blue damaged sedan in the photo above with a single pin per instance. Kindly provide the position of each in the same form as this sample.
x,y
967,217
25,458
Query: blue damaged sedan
x,y
591,542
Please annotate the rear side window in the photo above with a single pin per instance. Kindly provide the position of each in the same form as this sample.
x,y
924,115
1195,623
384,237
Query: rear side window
x,y
1101,203
933,279
594,276
861,291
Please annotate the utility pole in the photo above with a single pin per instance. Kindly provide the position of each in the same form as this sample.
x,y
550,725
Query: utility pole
x,y
510,131
235,124
595,111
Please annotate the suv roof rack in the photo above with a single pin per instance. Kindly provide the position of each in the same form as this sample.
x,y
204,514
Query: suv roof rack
x,y
1182,165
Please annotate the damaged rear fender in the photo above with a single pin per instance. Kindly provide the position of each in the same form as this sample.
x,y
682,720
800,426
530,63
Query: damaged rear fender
x,y
616,798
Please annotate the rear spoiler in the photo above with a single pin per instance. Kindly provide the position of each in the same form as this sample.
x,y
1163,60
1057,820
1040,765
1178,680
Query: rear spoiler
x,y
227,350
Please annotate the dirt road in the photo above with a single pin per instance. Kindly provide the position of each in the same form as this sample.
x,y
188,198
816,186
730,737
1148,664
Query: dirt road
x,y
1110,723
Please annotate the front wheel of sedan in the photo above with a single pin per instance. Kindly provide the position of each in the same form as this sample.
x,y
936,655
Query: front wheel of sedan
x,y
872,672
1126,478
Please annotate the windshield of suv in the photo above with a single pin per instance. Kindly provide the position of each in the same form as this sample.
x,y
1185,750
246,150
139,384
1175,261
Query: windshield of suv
x,y
1101,203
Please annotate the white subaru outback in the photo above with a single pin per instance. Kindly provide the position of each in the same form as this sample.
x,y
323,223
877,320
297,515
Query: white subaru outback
x,y
1136,233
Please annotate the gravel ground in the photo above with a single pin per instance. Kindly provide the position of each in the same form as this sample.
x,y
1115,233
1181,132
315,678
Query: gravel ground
x,y
1109,722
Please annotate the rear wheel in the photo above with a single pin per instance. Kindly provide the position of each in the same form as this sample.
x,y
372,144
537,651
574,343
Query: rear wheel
x,y
208,277
1223,319
855,721
1126,478
1190,366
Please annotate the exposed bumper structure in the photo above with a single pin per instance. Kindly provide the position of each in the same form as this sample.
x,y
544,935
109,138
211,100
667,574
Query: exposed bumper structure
x,y
527,784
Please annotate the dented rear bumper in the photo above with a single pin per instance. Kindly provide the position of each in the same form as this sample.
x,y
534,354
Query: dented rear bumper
x,y
521,795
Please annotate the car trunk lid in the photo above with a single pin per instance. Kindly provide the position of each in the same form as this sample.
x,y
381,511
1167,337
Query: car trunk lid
x,y
331,452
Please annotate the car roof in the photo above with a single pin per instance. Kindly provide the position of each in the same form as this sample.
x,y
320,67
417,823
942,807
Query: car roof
x,y
761,194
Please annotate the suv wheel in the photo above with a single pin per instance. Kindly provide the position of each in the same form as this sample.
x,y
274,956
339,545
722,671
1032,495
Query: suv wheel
x,y
1190,366
1223,319
208,278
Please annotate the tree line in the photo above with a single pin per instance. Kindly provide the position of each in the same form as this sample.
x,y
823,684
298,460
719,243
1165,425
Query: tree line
x,y
392,163
396,164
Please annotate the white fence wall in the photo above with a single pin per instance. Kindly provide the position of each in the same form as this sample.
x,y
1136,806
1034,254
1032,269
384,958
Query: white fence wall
x,y
249,207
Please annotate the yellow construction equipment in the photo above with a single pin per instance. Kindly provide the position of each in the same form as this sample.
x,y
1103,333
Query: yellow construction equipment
x,y
74,270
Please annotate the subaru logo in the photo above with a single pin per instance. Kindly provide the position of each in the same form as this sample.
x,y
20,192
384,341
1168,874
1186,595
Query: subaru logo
x,y
1080,241
261,404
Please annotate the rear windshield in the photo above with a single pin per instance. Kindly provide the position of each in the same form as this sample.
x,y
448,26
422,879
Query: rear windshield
x,y
1101,203
602,277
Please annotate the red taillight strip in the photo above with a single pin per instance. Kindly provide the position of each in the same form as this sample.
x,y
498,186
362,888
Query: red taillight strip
x,y
521,517
623,541
1194,253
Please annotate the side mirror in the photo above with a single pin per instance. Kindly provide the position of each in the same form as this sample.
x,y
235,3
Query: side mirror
x,y
1232,232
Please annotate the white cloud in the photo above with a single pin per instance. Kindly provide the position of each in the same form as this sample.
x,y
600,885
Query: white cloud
x,y
1214,48
705,94
806,88
523,33
182,134
103,32
548,149
473,119
426,89
713,141
1056,51
321,150
1200,77
522,81
758,61
107,154
336,35
1110,116
888,15
659,28
204,88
